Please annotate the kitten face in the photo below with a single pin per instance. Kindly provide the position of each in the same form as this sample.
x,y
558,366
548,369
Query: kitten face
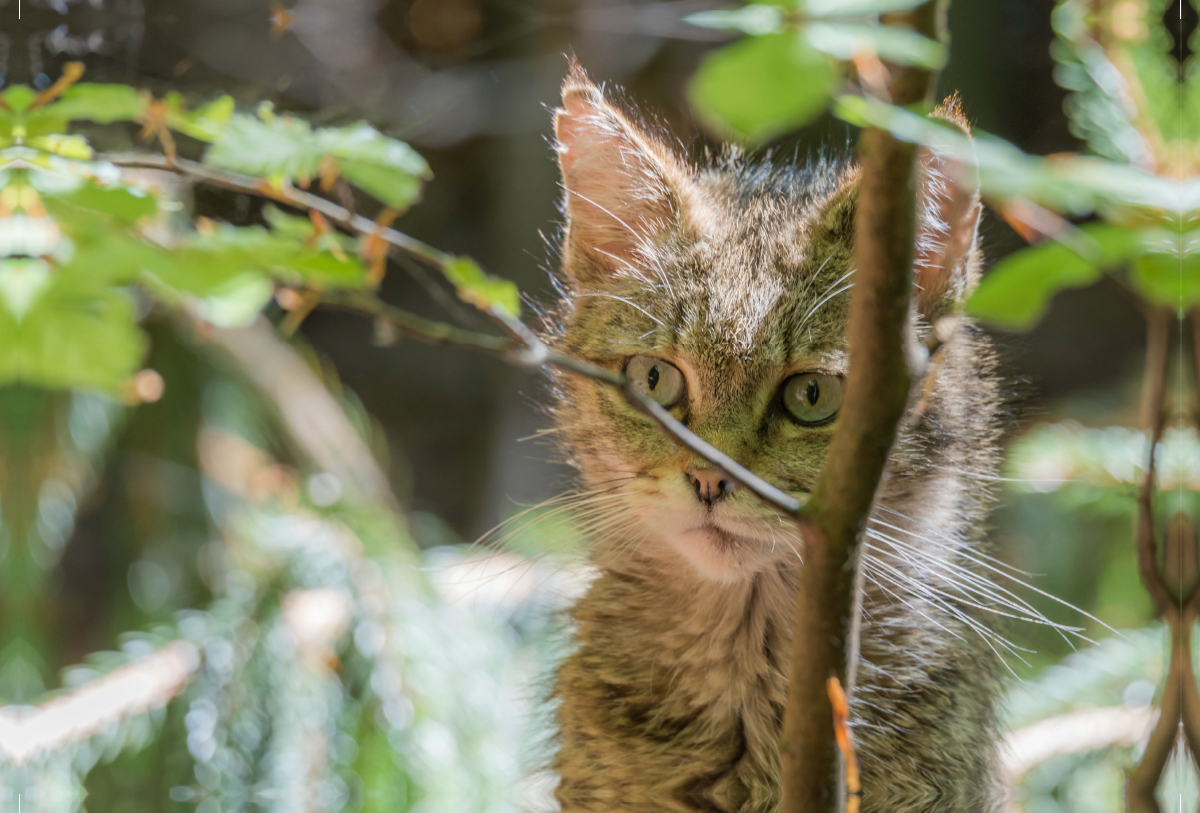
x,y
736,275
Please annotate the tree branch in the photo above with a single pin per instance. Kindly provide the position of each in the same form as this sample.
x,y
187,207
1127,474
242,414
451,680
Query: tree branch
x,y
315,420
132,689
289,195
1072,733
523,347
1180,701
877,390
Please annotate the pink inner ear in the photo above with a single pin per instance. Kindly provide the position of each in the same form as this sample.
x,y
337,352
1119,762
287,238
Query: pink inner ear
x,y
617,193
949,222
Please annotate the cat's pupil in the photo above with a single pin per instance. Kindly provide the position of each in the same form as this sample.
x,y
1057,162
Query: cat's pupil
x,y
652,377
813,392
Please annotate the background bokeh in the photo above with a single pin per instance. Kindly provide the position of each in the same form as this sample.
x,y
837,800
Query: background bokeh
x,y
470,84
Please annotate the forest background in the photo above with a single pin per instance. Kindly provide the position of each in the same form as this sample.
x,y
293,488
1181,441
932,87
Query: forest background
x,y
468,84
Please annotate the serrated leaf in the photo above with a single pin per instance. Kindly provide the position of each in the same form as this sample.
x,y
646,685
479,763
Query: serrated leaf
x,y
101,103
284,148
761,87
480,289
898,45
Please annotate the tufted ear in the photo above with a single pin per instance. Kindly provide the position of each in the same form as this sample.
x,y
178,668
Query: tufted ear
x,y
945,267
623,188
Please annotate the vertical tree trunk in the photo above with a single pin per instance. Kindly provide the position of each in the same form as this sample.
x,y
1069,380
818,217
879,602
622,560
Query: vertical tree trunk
x,y
825,639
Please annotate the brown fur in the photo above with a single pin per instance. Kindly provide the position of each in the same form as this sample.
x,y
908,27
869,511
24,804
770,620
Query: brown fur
x,y
738,273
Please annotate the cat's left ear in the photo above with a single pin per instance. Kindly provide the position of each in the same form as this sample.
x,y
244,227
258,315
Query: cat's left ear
x,y
945,265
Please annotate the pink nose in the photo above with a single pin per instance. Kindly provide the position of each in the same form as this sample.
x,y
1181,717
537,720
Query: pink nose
x,y
710,484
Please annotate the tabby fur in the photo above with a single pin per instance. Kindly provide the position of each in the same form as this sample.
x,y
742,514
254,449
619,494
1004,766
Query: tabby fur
x,y
739,273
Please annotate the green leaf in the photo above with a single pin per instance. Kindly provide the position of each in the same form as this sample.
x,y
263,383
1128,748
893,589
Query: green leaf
x,y
281,147
300,229
68,146
482,290
899,45
235,302
19,97
363,143
101,103
1074,185
392,187
205,123
21,283
207,261
122,203
69,336
1171,276
760,87
1016,293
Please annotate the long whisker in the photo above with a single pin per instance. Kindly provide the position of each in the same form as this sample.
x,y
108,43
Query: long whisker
x,y
982,561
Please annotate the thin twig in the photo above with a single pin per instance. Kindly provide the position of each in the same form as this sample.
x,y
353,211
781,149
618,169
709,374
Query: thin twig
x,y
523,347
526,349
287,194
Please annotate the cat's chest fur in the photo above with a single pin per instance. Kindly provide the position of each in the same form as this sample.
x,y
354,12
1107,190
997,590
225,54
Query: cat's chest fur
x,y
675,696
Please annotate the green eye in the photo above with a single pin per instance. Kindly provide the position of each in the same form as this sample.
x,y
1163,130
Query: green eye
x,y
813,399
659,379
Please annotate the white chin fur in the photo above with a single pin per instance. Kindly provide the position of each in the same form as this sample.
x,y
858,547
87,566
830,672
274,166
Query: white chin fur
x,y
719,556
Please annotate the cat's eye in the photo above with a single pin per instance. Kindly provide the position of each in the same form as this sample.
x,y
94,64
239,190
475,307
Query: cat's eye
x,y
659,379
813,399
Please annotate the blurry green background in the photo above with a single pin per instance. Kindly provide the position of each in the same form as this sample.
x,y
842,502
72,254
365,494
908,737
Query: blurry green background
x,y
470,83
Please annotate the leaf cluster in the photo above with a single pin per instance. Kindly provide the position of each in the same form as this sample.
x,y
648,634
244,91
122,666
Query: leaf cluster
x,y
88,247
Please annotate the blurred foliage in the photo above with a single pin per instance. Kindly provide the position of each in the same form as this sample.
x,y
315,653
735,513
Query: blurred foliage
x,y
323,650
310,651
320,661
1130,101
77,231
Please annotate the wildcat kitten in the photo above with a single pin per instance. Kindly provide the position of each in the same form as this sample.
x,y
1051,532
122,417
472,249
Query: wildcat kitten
x,y
723,290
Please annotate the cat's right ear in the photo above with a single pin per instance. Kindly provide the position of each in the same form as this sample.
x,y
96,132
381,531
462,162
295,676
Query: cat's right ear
x,y
623,188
